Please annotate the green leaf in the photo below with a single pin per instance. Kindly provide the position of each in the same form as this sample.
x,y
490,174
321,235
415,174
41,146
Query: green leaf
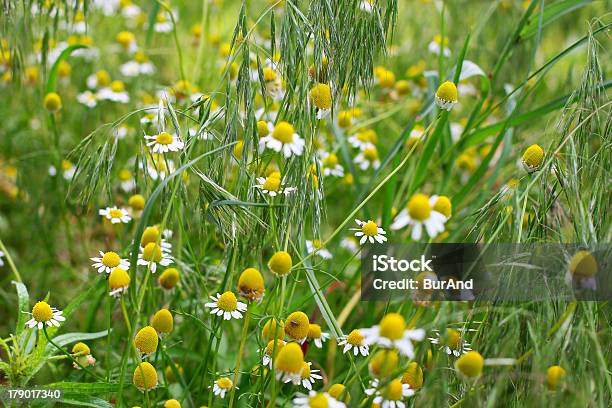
x,y
52,80
551,13
23,306
85,401
68,338
84,388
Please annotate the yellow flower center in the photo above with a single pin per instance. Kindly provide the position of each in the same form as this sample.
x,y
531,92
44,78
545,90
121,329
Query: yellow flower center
x,y
290,359
145,376
554,375
280,263
370,229
137,202
297,325
115,213
355,338
117,86
270,330
164,138
370,154
227,302
270,348
318,401
162,321
125,175
81,349
533,156
583,265
262,128
330,161
42,312
102,78
470,364
251,284
392,326
269,74
321,96
283,132
413,376
125,38
111,259
345,119
316,243
314,331
52,102
447,92
66,165
272,184
146,340
384,363
305,370
169,278
152,252
224,383
443,206
453,338
149,235
419,207
119,278
393,392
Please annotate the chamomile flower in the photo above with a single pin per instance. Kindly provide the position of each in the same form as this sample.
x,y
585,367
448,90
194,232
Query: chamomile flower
x,y
222,386
439,44
115,93
44,315
107,261
118,282
554,377
164,143
533,157
153,254
289,363
364,139
470,364
423,211
309,376
321,98
127,181
271,351
315,246
127,40
446,95
115,215
146,340
369,231
100,79
367,5
145,377
317,335
297,326
226,305
140,65
354,341
317,400
251,285
273,185
391,395
88,99
82,354
452,343
392,332
330,164
163,23
284,138
367,158
68,170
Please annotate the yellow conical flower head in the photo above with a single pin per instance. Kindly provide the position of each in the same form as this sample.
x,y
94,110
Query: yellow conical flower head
x,y
447,96
52,102
554,376
162,321
270,331
413,376
118,278
81,349
169,278
297,325
251,284
470,364
136,202
443,206
321,96
145,377
339,392
384,363
280,263
172,403
533,157
146,340
583,265
290,359
42,312
149,235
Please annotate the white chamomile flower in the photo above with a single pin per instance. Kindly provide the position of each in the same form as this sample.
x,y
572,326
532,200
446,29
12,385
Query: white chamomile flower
x,y
369,231
272,348
284,138
364,139
226,305
367,158
452,343
139,66
330,165
392,332
153,254
317,335
350,244
438,45
354,341
390,395
1,260
43,314
163,23
115,93
222,386
422,211
107,261
272,185
88,99
115,215
367,6
316,400
164,143
315,246
68,170
309,376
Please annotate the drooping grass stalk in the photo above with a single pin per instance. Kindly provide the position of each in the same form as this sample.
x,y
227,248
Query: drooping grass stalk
x,y
9,259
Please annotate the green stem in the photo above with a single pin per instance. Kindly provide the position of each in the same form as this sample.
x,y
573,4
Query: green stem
x,y
245,329
10,262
